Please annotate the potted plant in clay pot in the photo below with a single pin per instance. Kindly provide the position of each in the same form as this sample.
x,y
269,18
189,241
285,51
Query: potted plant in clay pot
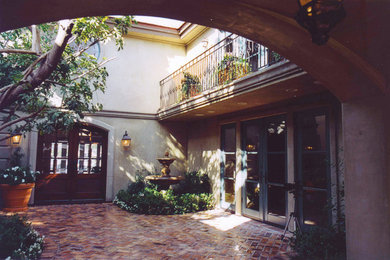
x,y
16,184
190,86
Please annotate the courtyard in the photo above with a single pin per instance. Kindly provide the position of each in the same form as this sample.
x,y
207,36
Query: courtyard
x,y
103,231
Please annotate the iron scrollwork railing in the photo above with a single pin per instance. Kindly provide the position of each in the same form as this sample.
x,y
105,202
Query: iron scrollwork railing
x,y
228,60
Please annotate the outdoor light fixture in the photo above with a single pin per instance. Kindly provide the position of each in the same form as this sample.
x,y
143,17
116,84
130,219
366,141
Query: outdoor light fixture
x,y
16,138
319,17
126,140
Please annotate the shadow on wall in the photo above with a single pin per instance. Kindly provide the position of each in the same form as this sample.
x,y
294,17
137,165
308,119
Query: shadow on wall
x,y
150,140
204,153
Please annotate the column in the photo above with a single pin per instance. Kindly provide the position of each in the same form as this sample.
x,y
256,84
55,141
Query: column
x,y
366,134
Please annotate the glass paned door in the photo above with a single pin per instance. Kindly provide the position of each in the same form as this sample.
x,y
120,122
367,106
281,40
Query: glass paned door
x,y
276,170
264,163
313,167
228,166
73,165
252,158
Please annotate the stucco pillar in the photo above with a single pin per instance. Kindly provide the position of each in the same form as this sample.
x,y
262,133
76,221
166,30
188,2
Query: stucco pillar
x,y
366,134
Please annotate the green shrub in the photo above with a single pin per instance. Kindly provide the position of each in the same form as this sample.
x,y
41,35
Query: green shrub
x,y
136,186
144,198
195,182
18,239
319,243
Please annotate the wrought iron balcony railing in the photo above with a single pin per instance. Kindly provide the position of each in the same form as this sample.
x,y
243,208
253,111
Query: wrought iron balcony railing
x,y
228,60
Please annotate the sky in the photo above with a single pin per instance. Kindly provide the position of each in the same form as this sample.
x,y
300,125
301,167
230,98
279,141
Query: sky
x,y
159,21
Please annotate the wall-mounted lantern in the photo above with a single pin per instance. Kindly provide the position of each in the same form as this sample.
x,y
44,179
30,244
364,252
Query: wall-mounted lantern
x,y
15,138
126,140
319,17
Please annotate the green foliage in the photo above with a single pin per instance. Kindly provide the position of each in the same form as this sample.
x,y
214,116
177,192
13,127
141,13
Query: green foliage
x,y
137,186
68,92
190,85
17,175
16,157
18,239
145,198
319,243
195,182
231,68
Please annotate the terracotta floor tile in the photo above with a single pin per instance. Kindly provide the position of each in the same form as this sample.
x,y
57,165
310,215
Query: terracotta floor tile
x,y
103,231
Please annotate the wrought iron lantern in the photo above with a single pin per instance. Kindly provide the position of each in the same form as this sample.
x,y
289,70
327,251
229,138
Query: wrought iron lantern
x,y
16,138
319,17
126,140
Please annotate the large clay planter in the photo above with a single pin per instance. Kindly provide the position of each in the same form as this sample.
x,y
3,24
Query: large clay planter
x,y
16,197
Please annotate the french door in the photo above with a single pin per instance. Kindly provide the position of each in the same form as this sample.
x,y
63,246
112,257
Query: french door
x,y
264,165
72,165
228,166
313,167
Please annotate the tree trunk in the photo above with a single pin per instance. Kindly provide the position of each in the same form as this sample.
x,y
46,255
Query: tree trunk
x,y
47,66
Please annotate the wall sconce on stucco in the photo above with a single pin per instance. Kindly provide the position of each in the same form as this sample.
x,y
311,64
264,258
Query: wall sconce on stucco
x,y
16,138
126,141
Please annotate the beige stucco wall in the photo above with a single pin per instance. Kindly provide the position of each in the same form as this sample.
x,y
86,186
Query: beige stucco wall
x,y
150,140
134,78
202,43
203,151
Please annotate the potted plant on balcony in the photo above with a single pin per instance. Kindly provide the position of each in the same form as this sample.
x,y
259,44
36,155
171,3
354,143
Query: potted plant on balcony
x,y
16,184
231,68
190,86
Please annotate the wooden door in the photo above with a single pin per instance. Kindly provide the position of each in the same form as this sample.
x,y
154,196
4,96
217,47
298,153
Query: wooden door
x,y
73,165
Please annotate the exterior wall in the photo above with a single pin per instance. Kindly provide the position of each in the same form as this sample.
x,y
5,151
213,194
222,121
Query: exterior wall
x,y
150,140
202,43
204,151
135,74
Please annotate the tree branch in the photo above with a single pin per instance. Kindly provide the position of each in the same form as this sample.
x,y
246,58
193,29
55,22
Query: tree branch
x,y
8,124
36,39
83,50
56,83
89,71
47,66
20,51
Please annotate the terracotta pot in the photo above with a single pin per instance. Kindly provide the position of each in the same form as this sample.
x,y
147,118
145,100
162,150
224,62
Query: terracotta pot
x,y
16,197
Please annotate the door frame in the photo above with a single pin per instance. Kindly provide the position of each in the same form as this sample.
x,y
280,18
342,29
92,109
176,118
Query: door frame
x,y
73,186
262,164
33,145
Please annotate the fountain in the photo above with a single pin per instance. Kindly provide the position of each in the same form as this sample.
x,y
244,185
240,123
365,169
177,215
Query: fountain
x,y
164,180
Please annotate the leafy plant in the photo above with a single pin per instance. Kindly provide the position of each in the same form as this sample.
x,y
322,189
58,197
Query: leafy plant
x,y
194,182
319,243
190,85
18,240
48,76
17,175
231,68
144,198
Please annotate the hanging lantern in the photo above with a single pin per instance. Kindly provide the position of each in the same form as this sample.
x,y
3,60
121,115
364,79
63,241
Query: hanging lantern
x,y
126,140
319,17
16,138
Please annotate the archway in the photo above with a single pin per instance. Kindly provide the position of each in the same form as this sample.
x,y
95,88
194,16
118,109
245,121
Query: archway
x,y
353,65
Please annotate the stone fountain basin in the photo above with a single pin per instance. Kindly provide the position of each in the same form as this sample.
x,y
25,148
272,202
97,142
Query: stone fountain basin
x,y
166,160
163,182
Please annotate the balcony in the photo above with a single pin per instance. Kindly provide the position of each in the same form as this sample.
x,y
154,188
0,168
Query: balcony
x,y
232,67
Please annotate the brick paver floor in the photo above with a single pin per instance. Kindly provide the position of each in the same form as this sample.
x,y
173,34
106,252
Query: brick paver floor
x,y
103,231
